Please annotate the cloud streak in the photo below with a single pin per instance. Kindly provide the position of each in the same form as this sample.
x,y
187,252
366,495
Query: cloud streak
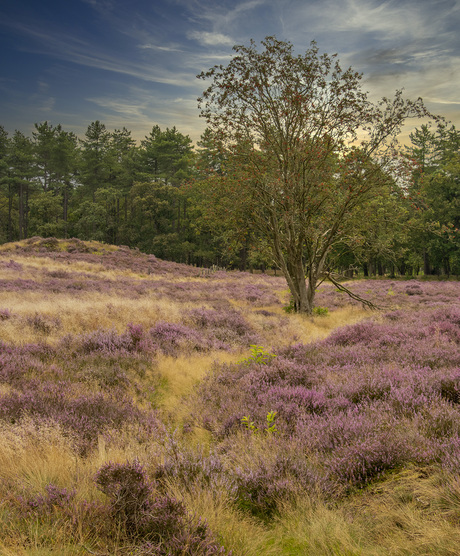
x,y
134,61
208,38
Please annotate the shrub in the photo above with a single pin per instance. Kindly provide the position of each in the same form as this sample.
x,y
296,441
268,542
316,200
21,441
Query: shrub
x,y
171,339
83,416
159,523
42,323
414,289
133,340
5,314
227,326
358,463
259,490
53,498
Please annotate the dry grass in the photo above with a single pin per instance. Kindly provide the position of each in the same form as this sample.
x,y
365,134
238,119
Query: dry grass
x,y
181,374
412,512
67,314
245,535
308,329
36,456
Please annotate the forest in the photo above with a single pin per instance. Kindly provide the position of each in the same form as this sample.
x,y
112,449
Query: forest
x,y
107,188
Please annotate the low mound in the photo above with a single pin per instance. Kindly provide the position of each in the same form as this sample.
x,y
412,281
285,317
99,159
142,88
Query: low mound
x,y
110,256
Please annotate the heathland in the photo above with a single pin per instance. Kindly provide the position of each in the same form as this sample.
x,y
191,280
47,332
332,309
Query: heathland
x,y
149,407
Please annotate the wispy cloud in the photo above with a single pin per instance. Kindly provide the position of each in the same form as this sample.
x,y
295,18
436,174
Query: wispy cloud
x,y
223,16
143,110
134,63
209,38
83,52
161,48
47,104
128,109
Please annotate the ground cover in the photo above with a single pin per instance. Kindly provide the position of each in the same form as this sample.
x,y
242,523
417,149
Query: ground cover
x,y
150,408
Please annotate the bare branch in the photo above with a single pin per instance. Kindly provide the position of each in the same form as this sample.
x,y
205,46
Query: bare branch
x,y
354,296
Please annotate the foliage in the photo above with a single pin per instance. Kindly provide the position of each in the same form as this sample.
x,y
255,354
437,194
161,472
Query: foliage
x,y
159,523
320,311
288,126
200,208
435,198
271,425
258,355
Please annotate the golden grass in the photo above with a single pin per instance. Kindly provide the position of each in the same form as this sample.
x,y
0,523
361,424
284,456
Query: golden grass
x,y
67,314
31,458
35,456
282,329
409,513
245,535
181,374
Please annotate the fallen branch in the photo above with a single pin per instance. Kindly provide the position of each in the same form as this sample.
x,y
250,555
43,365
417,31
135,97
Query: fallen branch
x,y
354,296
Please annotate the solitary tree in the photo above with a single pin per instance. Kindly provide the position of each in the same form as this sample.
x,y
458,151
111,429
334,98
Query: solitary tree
x,y
306,146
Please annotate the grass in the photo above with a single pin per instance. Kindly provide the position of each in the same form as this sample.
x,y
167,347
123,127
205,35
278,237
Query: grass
x,y
260,493
180,375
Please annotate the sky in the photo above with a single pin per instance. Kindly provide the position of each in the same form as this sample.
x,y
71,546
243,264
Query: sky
x,y
133,63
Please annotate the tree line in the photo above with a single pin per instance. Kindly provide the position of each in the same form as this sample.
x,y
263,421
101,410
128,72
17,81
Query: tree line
x,y
102,187
277,179
159,196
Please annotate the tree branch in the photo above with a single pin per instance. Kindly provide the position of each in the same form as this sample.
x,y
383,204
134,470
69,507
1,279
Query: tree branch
x,y
341,288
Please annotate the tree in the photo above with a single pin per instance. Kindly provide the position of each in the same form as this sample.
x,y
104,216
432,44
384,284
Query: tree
x,y
378,242
122,157
65,159
21,178
43,138
167,156
308,147
436,198
56,161
4,188
159,205
94,175
95,167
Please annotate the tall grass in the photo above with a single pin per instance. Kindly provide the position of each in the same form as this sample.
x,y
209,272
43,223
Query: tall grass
x,y
122,374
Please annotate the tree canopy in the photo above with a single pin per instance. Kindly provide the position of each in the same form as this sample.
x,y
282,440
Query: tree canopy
x,y
305,146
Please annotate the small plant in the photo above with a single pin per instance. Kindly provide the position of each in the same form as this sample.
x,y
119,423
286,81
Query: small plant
x,y
249,424
5,314
258,355
42,324
320,311
291,307
271,425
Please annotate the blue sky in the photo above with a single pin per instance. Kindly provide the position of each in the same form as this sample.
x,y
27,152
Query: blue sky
x,y
134,63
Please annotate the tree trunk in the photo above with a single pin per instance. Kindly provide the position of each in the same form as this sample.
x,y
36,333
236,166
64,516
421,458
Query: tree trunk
x,y
292,267
21,212
10,213
302,296
65,206
426,264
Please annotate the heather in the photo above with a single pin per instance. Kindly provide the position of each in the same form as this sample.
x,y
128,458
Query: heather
x,y
193,415
372,397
